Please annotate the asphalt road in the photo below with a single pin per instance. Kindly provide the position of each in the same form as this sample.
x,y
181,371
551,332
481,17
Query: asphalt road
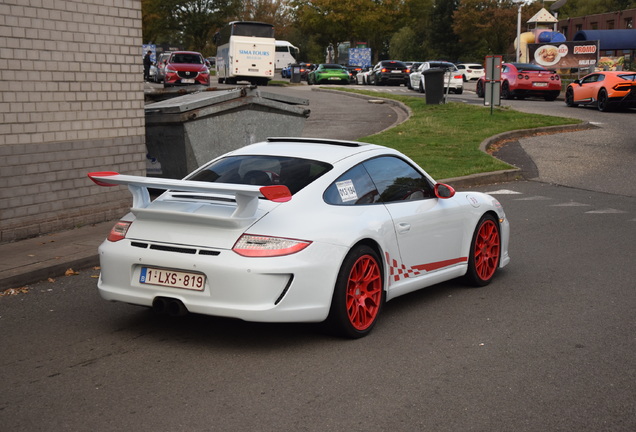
x,y
548,346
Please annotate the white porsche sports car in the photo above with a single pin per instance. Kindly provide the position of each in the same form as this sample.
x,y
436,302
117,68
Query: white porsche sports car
x,y
297,230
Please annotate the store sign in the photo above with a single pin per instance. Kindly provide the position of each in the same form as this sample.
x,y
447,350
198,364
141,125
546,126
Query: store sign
x,y
565,55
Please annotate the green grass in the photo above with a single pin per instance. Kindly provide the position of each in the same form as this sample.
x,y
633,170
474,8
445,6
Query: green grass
x,y
445,139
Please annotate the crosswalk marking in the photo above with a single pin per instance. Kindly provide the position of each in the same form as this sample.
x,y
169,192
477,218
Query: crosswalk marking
x,y
606,211
571,204
504,192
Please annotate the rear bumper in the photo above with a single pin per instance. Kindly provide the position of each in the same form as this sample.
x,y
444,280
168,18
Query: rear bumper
x,y
294,288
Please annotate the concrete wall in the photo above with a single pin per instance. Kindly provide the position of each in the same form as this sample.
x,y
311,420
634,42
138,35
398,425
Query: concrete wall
x,y
71,102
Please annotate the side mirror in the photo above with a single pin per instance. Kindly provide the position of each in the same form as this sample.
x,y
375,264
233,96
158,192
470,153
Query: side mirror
x,y
444,191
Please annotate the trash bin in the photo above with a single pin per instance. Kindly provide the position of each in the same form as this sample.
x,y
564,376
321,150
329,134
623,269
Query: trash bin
x,y
434,85
295,73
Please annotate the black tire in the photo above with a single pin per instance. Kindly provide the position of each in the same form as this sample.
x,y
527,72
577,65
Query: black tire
x,y
569,97
420,87
359,294
459,91
602,101
480,89
505,91
485,252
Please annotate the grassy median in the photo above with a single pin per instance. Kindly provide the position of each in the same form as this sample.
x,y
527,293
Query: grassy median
x,y
445,139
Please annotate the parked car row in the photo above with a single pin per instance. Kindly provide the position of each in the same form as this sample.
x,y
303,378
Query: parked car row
x,y
604,90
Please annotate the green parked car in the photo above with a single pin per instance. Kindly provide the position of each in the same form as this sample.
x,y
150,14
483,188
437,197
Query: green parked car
x,y
326,73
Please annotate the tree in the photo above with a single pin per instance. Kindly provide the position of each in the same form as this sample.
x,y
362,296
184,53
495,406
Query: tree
x,y
487,27
443,42
577,8
404,45
276,12
333,21
189,24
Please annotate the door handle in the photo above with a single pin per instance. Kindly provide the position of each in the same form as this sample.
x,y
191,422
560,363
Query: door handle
x,y
403,228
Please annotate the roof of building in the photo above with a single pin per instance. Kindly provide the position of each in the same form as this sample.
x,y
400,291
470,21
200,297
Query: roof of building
x,y
543,16
609,39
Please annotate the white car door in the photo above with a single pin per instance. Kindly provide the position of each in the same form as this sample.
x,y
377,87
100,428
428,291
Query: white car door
x,y
429,230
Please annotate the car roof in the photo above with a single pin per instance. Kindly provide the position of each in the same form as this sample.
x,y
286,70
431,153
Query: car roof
x,y
325,150
527,66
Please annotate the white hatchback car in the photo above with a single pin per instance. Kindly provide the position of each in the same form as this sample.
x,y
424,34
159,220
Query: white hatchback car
x,y
453,80
297,229
471,71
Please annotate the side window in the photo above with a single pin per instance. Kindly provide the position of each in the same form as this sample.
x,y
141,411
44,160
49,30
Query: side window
x,y
590,79
396,180
351,188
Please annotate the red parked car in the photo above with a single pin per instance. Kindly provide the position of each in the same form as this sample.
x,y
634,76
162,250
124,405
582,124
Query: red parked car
x,y
521,80
186,68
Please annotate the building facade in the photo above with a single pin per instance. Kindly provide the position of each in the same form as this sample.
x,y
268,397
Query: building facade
x,y
618,20
71,102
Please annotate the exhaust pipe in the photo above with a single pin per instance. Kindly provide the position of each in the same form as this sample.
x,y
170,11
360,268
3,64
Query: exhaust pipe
x,y
160,306
176,308
168,306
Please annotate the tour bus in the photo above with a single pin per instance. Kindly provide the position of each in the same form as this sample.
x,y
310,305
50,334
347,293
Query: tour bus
x,y
286,54
245,51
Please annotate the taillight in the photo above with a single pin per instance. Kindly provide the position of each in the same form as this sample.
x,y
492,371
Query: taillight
x,y
622,87
263,246
118,232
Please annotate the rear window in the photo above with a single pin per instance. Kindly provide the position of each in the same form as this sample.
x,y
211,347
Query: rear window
x,y
393,65
529,67
262,170
628,77
186,59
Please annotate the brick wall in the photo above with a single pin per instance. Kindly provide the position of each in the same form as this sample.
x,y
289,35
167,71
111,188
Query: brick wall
x,y
71,102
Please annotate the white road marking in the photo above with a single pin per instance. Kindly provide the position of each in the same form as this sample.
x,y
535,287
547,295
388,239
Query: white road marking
x,y
606,211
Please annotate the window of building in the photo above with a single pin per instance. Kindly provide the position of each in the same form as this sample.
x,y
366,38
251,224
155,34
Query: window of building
x,y
629,23
610,25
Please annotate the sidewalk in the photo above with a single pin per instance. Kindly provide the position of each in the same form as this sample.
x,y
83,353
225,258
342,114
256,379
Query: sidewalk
x,y
29,261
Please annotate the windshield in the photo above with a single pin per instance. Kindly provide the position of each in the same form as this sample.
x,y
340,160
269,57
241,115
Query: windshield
x,y
262,170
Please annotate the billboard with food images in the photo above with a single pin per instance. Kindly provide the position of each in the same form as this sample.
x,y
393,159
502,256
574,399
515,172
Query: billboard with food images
x,y
565,55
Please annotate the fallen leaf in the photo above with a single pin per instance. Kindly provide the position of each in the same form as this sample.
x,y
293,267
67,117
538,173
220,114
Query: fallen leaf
x,y
51,280
14,291
71,272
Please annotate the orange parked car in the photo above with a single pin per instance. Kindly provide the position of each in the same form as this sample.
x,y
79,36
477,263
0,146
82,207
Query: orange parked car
x,y
604,89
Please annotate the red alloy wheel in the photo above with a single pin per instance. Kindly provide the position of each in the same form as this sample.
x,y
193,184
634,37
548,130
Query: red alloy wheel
x,y
364,292
487,249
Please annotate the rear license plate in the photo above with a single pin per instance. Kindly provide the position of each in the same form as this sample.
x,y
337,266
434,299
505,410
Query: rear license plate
x,y
396,71
187,81
538,84
335,78
252,70
172,278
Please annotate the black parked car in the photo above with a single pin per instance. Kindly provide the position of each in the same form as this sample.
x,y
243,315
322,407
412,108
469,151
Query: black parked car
x,y
389,72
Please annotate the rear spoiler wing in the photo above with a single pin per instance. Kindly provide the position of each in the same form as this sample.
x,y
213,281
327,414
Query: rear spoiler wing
x,y
246,196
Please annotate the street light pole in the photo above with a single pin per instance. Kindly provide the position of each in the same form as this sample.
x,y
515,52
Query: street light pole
x,y
518,47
